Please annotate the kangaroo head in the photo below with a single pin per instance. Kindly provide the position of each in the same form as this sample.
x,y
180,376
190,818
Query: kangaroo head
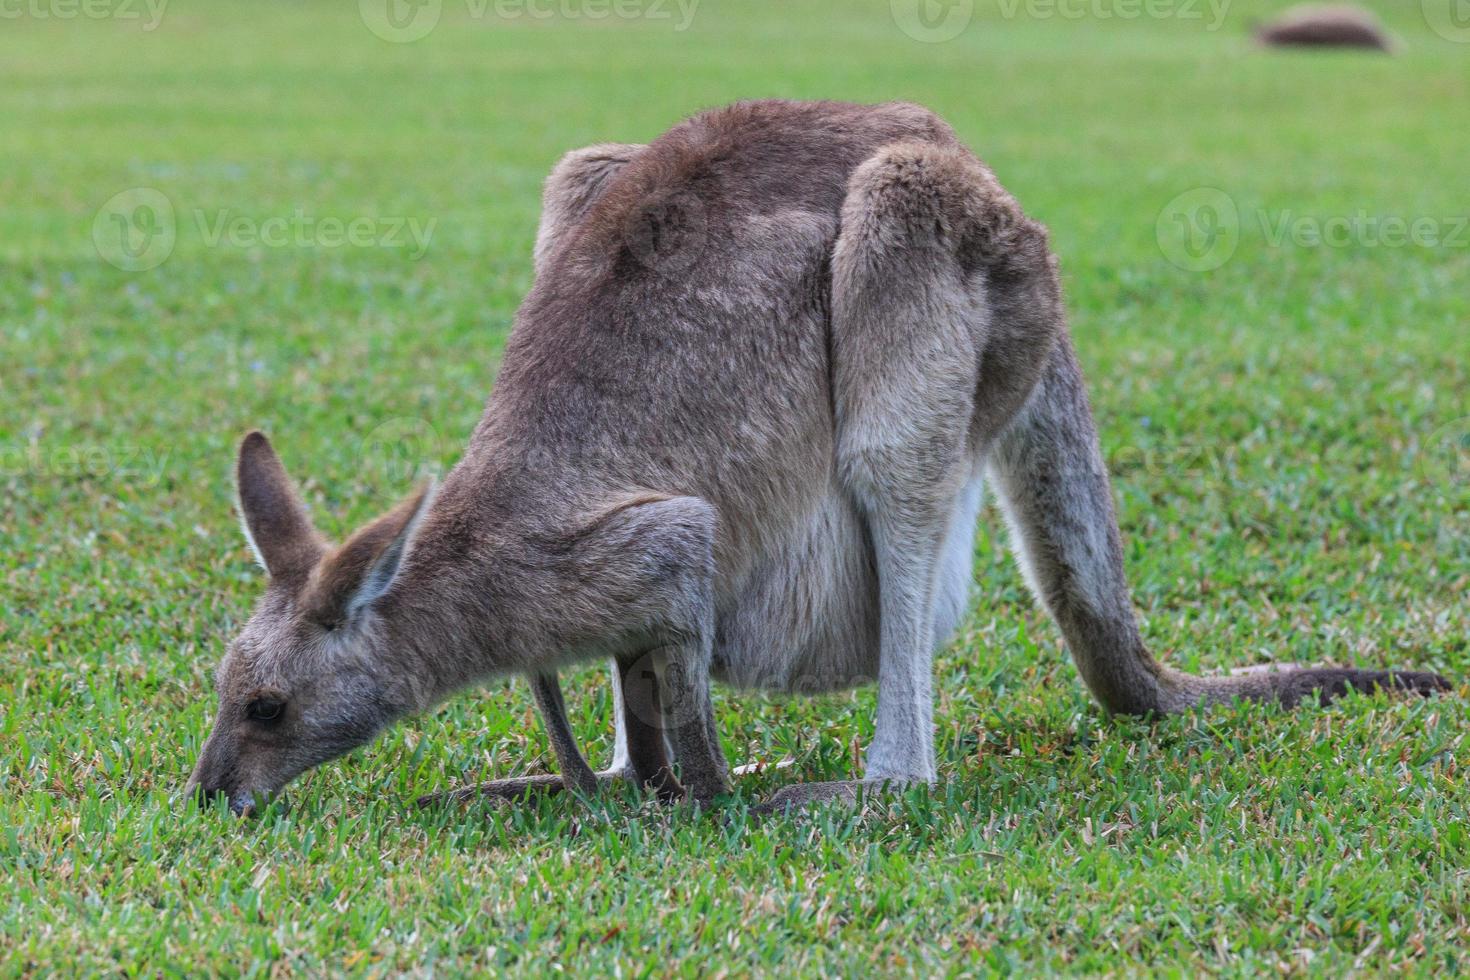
x,y
307,679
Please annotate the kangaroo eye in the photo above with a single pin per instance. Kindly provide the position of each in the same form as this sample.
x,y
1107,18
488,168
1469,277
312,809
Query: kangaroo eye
x,y
264,709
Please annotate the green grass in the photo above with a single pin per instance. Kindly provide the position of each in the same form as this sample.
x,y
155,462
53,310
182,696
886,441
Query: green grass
x,y
1286,430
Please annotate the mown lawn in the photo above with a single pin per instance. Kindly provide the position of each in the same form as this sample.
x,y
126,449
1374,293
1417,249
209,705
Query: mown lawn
x,y
1288,422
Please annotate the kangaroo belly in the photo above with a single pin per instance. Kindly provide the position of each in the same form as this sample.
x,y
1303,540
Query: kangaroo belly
x,y
805,618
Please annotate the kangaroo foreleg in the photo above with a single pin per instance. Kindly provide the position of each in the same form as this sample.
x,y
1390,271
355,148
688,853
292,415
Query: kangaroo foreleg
x,y
576,775
639,755
649,567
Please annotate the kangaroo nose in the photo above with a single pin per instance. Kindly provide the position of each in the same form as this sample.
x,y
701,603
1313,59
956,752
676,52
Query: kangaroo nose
x,y
201,792
207,780
241,804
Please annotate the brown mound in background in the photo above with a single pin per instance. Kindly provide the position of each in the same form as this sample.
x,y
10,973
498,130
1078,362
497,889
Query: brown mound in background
x,y
1312,26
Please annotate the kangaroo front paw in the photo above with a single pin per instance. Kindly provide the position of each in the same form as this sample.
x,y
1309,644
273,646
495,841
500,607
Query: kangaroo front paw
x,y
518,789
799,796
505,790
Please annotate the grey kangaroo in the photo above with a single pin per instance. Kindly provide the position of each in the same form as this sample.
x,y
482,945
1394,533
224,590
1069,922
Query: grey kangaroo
x,y
740,430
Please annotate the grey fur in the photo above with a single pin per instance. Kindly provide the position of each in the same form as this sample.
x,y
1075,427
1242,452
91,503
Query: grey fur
x,y
738,432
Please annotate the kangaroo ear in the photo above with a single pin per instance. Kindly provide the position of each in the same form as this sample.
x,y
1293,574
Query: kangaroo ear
x,y
352,577
271,513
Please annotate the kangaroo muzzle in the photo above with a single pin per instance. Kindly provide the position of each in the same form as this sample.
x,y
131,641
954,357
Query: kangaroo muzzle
x,y
217,773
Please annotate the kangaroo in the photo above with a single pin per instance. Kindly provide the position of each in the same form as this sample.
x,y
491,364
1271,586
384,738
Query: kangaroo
x,y
739,431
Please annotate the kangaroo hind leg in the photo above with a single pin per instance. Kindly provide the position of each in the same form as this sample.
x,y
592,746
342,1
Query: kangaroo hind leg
x,y
922,370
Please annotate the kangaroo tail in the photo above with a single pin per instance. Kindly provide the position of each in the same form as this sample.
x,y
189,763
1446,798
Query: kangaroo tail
x,y
1292,685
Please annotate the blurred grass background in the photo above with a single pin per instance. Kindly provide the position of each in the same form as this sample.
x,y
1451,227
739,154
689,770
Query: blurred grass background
x,y
1288,426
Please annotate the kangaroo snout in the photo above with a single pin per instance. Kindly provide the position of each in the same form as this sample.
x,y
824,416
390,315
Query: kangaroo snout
x,y
216,774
